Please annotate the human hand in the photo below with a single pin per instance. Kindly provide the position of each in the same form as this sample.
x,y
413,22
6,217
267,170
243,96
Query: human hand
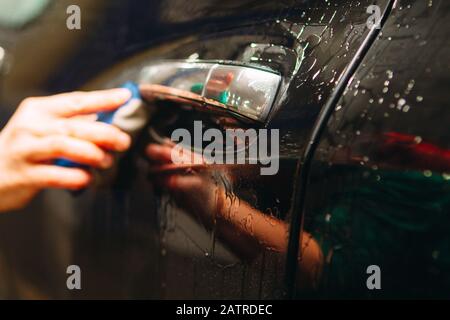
x,y
185,175
61,126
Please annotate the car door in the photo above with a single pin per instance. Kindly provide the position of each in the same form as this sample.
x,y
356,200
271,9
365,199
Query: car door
x,y
378,193
135,238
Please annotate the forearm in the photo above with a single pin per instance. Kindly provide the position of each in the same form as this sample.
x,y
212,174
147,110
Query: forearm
x,y
258,231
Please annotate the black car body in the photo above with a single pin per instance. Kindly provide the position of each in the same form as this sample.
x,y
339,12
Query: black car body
x,y
364,154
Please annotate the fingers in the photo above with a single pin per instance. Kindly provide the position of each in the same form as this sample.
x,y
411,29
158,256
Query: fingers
x,y
159,153
101,134
179,182
84,152
184,183
48,128
169,154
76,103
49,176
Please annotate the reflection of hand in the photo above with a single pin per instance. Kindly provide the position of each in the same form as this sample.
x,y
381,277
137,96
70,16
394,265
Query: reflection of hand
x,y
201,192
46,128
245,229
197,192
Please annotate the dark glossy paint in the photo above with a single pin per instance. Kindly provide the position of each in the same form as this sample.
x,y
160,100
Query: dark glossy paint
x,y
379,186
134,239
312,39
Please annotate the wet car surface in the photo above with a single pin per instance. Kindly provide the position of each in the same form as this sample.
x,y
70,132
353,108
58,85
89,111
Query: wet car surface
x,y
363,159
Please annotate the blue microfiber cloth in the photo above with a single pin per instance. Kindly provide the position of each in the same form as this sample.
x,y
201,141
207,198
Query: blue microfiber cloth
x,y
108,117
